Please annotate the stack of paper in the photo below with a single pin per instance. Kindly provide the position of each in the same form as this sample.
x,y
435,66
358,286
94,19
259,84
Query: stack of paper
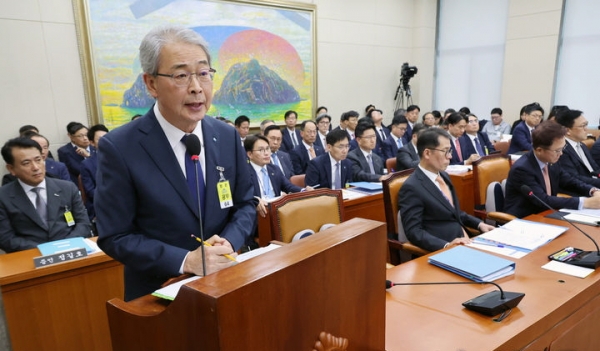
x,y
473,264
585,216
367,187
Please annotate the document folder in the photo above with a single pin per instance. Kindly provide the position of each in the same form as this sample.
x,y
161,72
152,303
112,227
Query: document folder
x,y
473,264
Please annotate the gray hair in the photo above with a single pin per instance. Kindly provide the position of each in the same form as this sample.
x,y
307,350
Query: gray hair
x,y
158,37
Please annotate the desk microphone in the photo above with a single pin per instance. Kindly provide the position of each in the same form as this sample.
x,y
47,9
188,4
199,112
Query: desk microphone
x,y
193,147
490,304
589,259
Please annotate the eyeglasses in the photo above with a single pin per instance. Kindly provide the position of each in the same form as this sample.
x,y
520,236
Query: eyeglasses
x,y
342,147
265,150
558,151
184,78
446,152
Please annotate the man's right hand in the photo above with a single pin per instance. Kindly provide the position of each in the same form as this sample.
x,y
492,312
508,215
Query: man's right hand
x,y
459,241
591,202
215,261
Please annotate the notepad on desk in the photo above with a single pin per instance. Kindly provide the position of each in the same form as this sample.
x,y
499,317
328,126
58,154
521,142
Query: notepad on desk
x,y
473,264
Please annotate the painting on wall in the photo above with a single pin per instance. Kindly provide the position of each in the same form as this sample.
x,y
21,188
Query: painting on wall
x,y
264,54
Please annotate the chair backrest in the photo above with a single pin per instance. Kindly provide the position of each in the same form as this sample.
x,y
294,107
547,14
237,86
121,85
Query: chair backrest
x,y
81,189
298,180
589,142
390,164
293,213
502,146
391,188
488,169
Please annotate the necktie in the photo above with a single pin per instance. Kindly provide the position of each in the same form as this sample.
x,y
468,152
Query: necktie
x,y
370,161
547,180
478,147
311,152
275,159
458,151
584,159
294,141
399,143
337,183
40,205
266,183
382,134
444,188
191,168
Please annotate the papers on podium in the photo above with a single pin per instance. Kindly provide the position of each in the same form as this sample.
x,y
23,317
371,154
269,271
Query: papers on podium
x,y
519,235
473,264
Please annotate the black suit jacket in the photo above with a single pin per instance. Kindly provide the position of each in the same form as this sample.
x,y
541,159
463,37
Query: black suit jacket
x,y
319,172
407,158
389,148
469,149
22,228
278,181
300,158
360,167
573,165
595,151
521,139
286,140
71,159
379,143
286,163
463,146
407,137
429,220
526,171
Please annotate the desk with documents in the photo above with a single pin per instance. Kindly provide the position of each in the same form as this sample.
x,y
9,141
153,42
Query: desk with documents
x,y
558,310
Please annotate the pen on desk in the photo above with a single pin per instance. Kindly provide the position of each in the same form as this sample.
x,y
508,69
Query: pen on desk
x,y
207,244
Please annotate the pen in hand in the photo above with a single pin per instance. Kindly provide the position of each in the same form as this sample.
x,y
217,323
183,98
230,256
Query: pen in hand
x,y
207,244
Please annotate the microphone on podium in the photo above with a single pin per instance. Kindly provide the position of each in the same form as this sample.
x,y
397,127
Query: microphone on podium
x,y
489,304
193,147
589,259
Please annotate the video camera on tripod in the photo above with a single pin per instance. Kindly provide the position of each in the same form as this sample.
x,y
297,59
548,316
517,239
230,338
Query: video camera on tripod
x,y
406,73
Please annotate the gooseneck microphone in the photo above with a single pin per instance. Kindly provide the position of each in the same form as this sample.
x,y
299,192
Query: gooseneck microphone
x,y
193,147
490,304
589,259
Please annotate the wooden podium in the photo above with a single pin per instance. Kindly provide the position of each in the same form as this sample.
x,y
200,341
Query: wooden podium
x,y
330,282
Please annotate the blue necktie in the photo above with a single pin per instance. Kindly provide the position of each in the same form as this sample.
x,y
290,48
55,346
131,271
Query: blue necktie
x,y
275,159
479,149
190,175
266,183
337,183
399,143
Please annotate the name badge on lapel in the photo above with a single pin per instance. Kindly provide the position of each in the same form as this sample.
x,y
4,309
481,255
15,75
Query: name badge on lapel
x,y
224,190
69,217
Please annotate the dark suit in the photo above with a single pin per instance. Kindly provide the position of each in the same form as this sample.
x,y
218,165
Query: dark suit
x,y
572,164
595,151
521,139
71,159
286,163
22,228
463,148
89,167
407,158
278,181
319,172
407,137
379,144
286,140
300,158
389,148
526,170
145,212
360,167
429,220
57,169
319,142
469,149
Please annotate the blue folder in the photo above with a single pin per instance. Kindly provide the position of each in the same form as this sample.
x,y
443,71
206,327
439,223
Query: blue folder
x,y
473,264
53,247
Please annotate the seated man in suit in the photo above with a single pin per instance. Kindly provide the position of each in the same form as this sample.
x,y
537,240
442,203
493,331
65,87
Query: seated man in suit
x,y
540,171
412,116
394,143
331,170
264,124
291,135
428,204
76,151
242,124
457,123
279,158
474,141
89,167
147,199
36,209
576,158
323,122
408,156
521,139
267,179
382,133
307,150
366,165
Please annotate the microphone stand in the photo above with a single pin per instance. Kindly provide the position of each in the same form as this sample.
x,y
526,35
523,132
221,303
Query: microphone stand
x,y
196,159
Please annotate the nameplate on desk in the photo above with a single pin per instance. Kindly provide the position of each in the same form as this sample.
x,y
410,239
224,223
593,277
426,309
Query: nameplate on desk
x,y
59,257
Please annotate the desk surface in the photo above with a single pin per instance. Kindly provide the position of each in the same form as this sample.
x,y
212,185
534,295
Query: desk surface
x,y
432,317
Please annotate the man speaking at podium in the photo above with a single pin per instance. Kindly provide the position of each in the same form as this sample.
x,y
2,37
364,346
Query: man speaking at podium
x,y
146,209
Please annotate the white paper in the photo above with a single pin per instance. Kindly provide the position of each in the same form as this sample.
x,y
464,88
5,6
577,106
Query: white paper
x,y
458,169
560,267
169,292
522,234
506,251
256,252
585,212
348,194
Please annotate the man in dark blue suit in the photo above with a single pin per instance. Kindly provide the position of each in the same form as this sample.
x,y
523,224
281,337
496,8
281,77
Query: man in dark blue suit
x,y
306,150
521,136
412,116
145,207
457,123
331,170
540,171
291,136
54,169
366,165
408,156
279,158
89,167
474,141
395,142
323,123
72,153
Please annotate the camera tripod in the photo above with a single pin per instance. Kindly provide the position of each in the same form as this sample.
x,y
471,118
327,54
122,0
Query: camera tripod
x,y
403,93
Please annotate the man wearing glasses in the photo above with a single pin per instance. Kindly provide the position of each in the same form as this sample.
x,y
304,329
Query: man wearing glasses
x,y
331,170
521,139
541,171
429,208
307,149
147,202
